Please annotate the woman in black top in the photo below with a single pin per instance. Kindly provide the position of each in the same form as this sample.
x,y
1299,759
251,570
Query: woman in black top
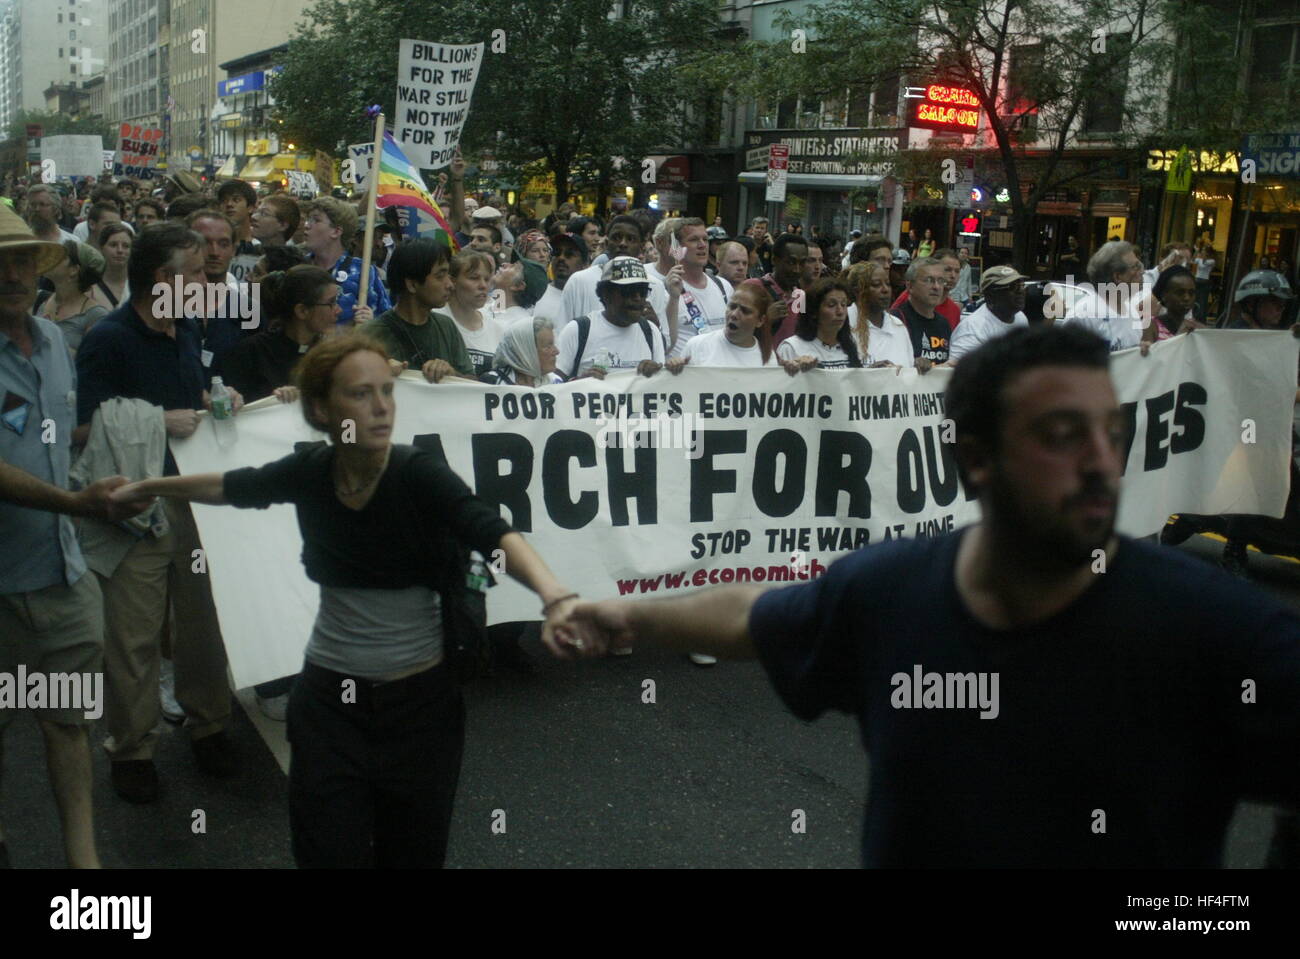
x,y
299,306
376,721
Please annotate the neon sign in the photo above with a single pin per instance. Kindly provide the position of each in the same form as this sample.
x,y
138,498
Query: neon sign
x,y
947,108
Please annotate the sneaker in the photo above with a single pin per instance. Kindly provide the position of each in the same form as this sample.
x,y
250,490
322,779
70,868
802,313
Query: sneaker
x,y
621,651
703,659
135,780
1235,560
215,755
275,708
171,709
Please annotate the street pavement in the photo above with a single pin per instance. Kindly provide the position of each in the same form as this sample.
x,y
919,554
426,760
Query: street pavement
x,y
578,770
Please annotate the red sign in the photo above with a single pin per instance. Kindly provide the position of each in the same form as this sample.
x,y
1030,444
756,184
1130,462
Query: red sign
x,y
970,226
947,108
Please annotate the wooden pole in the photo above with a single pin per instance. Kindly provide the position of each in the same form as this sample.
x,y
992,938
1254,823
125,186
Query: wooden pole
x,y
372,193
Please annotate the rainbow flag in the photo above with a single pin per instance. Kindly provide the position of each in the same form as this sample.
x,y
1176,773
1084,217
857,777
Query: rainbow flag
x,y
401,185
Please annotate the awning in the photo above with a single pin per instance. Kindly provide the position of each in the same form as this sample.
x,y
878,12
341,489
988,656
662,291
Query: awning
x,y
292,161
228,168
817,181
257,168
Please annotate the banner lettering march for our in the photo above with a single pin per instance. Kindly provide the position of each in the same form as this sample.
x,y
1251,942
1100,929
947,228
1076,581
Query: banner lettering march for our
x,y
738,475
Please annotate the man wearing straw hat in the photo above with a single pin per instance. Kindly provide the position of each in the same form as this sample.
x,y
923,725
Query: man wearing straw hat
x,y
51,612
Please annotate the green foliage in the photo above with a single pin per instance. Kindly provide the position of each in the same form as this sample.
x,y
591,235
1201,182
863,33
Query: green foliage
x,y
573,87
57,124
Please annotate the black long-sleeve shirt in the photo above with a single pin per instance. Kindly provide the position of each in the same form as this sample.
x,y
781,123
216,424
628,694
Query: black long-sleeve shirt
x,y
400,538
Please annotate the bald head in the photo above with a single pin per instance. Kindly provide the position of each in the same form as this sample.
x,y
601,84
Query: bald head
x,y
733,262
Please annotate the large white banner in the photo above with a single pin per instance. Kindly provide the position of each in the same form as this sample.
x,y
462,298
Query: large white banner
x,y
435,82
739,475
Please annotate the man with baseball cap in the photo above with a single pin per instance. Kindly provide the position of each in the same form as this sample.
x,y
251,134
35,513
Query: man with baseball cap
x,y
491,216
1003,289
617,337
568,256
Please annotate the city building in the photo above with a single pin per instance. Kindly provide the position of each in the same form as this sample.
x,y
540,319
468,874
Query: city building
x,y
44,42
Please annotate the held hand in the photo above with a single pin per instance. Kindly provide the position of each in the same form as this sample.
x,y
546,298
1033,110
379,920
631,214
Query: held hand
x,y
286,394
236,400
561,637
435,370
924,365
1144,347
131,495
596,373
601,626
180,423
1190,324
100,500
395,367
880,365
362,314
457,166
776,313
648,368
676,365
675,279
1295,331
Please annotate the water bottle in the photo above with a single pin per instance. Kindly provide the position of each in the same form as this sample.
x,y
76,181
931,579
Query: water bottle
x,y
603,360
223,412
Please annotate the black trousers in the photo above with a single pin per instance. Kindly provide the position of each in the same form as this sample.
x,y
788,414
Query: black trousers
x,y
373,769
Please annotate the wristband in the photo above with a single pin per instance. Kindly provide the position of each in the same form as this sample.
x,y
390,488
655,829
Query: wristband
x,y
546,610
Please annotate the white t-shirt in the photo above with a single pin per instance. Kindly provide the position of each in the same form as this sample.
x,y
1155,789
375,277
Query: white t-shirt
x,y
82,230
624,346
551,306
699,311
509,315
1092,311
580,297
714,349
979,327
480,344
890,342
828,357
1204,267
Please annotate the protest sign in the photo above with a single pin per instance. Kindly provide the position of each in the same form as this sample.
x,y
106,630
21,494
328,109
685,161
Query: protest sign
x,y
435,82
752,476
137,151
362,156
74,154
301,183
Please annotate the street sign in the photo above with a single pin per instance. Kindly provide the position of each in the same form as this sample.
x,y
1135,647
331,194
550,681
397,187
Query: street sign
x,y
778,166
959,193
756,158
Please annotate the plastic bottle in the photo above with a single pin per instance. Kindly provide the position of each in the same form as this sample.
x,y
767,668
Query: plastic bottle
x,y
223,412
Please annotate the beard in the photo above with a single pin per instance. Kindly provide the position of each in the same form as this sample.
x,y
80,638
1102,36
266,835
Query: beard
x,y
1047,535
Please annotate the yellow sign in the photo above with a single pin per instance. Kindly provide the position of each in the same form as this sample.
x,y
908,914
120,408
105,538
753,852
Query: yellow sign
x,y
1204,162
1179,179
257,148
1115,226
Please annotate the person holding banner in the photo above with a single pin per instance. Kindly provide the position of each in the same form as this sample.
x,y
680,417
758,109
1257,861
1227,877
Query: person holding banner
x,y
822,338
526,356
744,341
881,337
479,329
328,221
376,721
1111,729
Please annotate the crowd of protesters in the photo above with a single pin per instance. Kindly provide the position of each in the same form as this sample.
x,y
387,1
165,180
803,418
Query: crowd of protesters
x,y
513,301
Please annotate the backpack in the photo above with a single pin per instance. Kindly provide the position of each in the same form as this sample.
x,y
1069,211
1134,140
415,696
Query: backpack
x,y
584,330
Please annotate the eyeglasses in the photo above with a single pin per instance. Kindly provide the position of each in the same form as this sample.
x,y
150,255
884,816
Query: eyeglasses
x,y
330,303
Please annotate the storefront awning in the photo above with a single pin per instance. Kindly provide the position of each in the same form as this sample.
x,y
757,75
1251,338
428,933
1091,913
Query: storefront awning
x,y
257,168
816,181
228,168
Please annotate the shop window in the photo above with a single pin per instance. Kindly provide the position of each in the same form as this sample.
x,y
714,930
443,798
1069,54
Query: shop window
x,y
1274,67
786,113
860,107
885,103
1024,82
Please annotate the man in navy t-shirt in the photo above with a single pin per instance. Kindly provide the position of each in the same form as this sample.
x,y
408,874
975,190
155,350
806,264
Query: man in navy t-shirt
x,y
1034,690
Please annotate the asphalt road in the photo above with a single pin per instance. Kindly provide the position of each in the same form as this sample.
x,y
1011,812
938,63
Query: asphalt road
x,y
582,772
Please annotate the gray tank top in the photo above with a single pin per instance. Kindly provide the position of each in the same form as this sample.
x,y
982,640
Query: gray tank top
x,y
373,633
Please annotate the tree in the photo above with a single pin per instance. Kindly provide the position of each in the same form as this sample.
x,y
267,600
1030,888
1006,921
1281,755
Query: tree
x,y
1048,77
57,124
566,83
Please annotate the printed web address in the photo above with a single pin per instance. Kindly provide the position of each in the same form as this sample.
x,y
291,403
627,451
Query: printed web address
x,y
1171,924
722,574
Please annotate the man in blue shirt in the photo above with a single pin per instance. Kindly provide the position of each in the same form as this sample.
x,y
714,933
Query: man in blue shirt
x,y
51,619
1034,690
328,225
143,350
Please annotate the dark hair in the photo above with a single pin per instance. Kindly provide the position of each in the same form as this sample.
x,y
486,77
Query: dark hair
x,y
746,241
186,204
237,186
155,248
414,260
107,194
87,275
806,327
287,211
493,231
282,257
210,214
109,231
1167,277
97,210
579,223
784,241
863,248
626,220
973,399
945,253
285,289
152,203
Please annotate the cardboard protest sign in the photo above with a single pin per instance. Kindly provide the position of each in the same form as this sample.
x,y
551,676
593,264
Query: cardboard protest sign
x,y
137,151
362,157
302,184
434,84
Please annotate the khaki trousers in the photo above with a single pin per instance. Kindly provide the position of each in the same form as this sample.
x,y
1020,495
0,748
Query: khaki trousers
x,y
135,609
